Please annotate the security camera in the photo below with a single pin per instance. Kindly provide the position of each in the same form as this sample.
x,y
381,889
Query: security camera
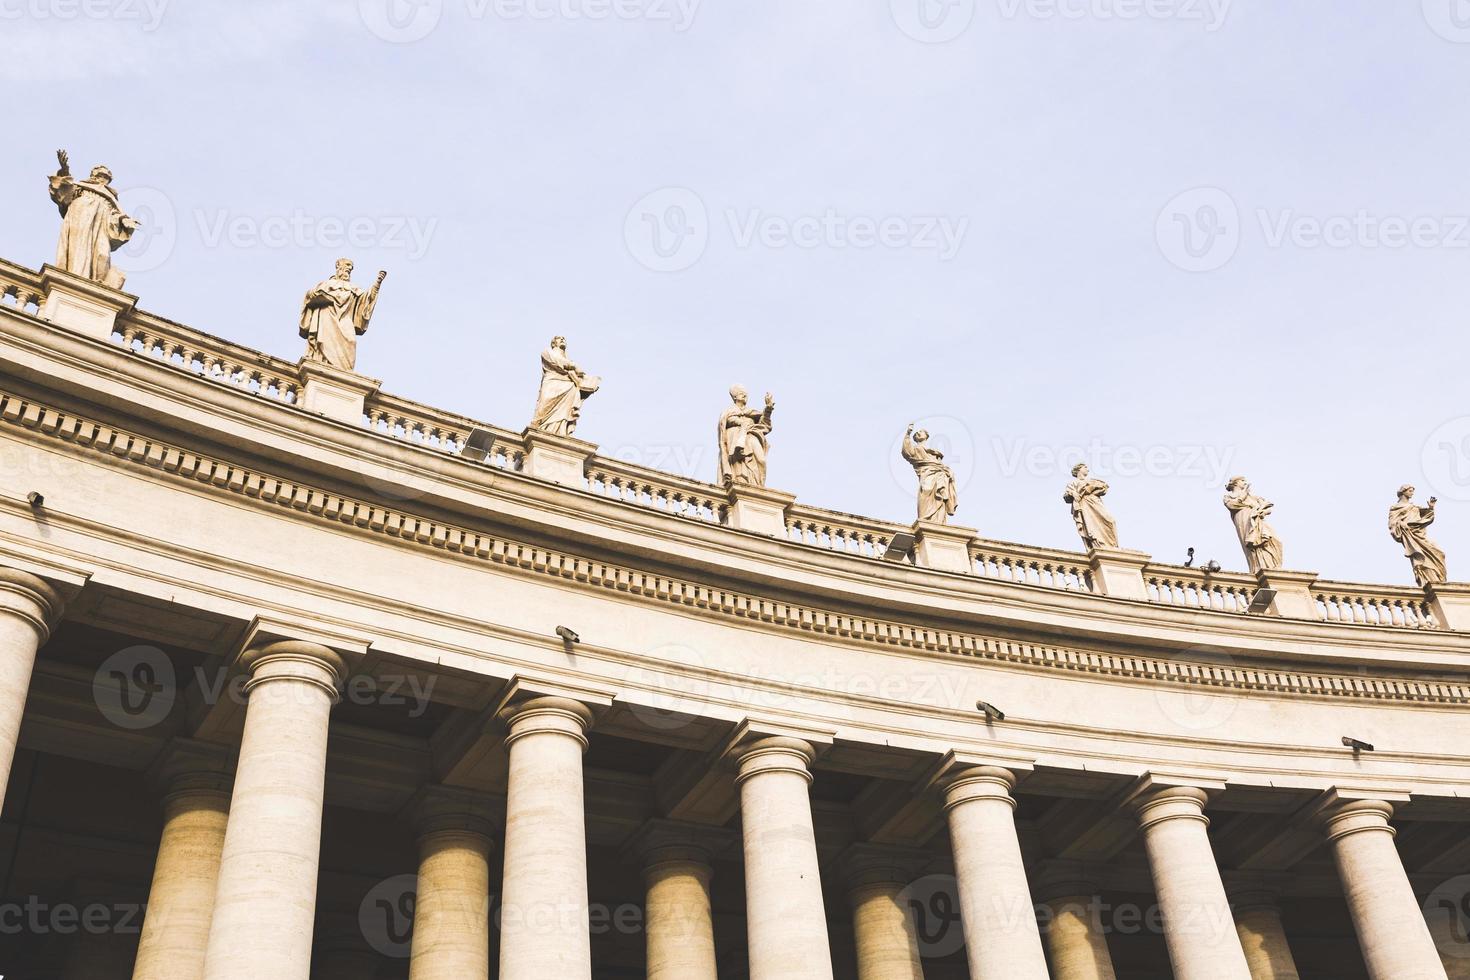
x,y
1357,745
36,500
992,713
568,635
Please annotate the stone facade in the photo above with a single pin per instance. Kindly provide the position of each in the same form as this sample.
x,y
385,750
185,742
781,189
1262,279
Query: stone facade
x,y
300,693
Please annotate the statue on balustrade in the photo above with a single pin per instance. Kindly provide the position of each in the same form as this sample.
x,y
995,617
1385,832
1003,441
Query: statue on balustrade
x,y
93,225
1409,525
563,389
1094,523
335,314
743,440
1261,545
938,495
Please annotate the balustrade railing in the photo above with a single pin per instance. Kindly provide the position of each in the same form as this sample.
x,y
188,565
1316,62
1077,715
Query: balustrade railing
x,y
1048,568
1402,607
408,422
834,531
666,492
1193,588
20,288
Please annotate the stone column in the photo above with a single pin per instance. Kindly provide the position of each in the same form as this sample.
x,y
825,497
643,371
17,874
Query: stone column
x,y
786,923
28,609
882,920
544,922
679,925
1002,940
1075,940
1447,929
265,904
1386,915
1198,925
1262,936
196,808
451,917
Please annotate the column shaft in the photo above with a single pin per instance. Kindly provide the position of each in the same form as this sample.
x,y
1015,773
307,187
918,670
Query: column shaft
x,y
1263,938
1002,940
28,606
1075,939
680,925
1386,916
265,904
1198,924
451,917
786,922
883,927
544,922
185,876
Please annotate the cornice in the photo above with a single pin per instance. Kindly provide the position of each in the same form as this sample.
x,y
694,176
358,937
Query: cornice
x,y
251,485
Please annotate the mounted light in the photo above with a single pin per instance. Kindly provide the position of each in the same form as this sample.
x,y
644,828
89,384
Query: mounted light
x,y
1261,601
899,546
477,445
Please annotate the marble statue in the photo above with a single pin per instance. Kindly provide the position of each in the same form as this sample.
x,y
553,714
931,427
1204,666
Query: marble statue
x,y
1409,525
938,495
92,224
1094,522
563,389
335,314
743,441
1249,512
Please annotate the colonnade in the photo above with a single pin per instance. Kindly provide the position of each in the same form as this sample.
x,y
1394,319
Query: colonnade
x,y
234,888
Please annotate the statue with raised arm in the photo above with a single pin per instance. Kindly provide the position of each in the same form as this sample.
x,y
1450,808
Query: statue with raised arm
x,y
1094,523
938,496
1257,538
563,389
335,314
743,440
1409,525
93,225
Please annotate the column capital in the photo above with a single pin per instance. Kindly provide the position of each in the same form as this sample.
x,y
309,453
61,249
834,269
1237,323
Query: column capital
x,y
779,753
1170,803
1251,890
1057,878
436,810
547,715
189,768
979,783
32,598
1341,818
294,660
866,865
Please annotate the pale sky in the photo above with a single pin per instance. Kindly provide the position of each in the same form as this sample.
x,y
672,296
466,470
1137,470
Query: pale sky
x,y
1181,239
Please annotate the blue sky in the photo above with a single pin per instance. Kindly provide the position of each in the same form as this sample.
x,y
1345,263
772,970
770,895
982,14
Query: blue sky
x,y
1180,239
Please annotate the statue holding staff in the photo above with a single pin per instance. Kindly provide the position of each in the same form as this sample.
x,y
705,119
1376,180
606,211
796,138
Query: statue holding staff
x,y
743,440
1094,523
93,225
335,313
1257,538
1408,523
938,495
563,389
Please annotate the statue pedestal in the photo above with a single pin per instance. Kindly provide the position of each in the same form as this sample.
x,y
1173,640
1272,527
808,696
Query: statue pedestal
x,y
943,547
557,459
1294,598
1450,603
759,509
82,305
333,392
1118,572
